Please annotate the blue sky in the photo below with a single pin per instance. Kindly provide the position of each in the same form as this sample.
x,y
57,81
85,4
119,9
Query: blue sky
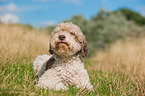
x,y
49,12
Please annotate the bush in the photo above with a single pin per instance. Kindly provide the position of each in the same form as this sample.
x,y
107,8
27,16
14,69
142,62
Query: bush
x,y
105,28
130,15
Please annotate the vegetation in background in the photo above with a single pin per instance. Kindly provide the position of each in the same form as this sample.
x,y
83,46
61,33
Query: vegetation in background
x,y
107,27
50,28
133,16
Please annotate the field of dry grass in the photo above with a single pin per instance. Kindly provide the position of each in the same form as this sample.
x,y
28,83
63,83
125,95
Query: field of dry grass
x,y
117,71
126,58
17,41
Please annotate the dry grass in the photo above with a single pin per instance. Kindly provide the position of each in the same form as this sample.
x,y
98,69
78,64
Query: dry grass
x,y
18,41
126,58
19,46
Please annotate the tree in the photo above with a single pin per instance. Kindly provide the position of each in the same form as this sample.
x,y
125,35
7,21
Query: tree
x,y
130,15
105,28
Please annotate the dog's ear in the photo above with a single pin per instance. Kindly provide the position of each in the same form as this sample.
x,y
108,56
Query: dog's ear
x,y
50,49
85,49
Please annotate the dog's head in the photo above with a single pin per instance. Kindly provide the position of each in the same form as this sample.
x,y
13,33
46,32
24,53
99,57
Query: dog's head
x,y
67,40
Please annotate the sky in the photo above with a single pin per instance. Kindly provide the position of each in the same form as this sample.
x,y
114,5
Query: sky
x,y
40,13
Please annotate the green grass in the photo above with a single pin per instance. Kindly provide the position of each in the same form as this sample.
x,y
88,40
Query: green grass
x,y
18,79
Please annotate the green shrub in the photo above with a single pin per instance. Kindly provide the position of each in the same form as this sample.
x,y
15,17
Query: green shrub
x,y
105,28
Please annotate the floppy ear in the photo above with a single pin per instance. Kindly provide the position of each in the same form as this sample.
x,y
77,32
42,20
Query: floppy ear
x,y
85,49
50,49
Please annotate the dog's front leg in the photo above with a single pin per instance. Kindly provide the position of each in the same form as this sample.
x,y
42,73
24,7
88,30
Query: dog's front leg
x,y
49,80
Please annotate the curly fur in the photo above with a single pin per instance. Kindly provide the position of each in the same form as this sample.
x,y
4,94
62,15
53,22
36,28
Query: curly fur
x,y
67,68
74,30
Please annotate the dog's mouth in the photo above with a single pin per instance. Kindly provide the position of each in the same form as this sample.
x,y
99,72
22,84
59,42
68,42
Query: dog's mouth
x,y
62,43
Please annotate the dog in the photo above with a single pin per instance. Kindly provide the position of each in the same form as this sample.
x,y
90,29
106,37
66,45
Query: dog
x,y
65,66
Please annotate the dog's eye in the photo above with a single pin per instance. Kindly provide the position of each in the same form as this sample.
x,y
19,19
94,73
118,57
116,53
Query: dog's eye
x,y
72,33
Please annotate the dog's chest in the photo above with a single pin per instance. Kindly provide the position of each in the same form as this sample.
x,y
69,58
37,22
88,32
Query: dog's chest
x,y
68,70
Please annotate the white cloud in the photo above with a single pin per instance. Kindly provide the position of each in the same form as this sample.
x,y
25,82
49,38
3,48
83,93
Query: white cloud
x,y
141,10
42,24
11,7
73,1
9,19
7,13
3,0
69,1
143,13
48,23
44,0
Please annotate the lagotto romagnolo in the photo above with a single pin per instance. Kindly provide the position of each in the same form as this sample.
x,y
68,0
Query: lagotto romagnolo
x,y
65,66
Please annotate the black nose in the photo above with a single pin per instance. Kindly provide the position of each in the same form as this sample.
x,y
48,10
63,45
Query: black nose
x,y
61,37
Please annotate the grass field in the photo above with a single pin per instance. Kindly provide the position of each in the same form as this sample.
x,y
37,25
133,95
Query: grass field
x,y
117,71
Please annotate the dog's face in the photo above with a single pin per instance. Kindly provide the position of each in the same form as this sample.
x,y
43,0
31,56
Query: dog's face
x,y
65,43
67,40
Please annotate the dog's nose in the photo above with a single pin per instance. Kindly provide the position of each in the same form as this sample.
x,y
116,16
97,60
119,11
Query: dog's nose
x,y
61,37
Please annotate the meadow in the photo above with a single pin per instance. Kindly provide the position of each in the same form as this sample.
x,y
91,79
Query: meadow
x,y
119,70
